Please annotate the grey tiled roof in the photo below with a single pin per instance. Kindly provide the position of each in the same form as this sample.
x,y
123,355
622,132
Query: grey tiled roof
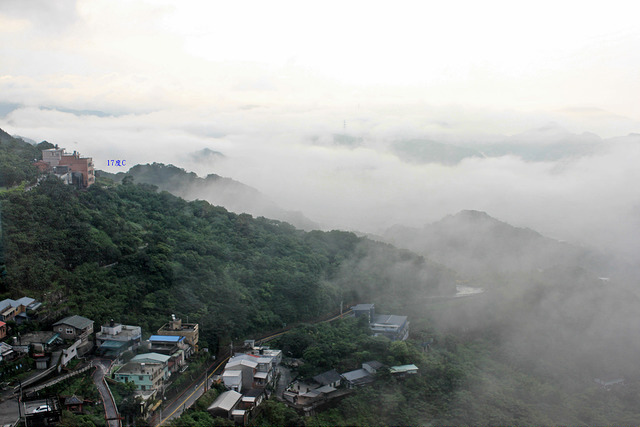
x,y
328,377
75,321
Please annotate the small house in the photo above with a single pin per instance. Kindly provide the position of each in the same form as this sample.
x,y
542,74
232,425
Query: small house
x,y
331,378
225,404
74,327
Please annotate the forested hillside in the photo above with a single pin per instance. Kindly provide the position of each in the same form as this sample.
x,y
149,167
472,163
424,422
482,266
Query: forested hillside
x,y
131,253
16,158
524,352
217,190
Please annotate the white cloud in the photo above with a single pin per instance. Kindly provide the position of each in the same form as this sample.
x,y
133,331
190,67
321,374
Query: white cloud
x,y
269,83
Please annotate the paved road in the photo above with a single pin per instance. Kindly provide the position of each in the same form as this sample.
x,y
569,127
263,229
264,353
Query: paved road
x,y
9,411
110,410
188,397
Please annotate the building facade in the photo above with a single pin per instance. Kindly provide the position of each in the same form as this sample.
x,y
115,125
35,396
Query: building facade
x,y
175,327
74,327
76,166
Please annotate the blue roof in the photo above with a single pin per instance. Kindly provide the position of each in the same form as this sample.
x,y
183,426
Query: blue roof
x,y
165,338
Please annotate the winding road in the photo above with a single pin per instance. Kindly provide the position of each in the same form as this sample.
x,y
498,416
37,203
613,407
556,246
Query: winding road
x,y
111,412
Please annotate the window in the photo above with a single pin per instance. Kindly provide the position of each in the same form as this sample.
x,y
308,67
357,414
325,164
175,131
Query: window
x,y
140,377
70,331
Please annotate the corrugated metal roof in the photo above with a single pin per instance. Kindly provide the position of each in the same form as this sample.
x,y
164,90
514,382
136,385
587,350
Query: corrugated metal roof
x,y
165,338
374,364
355,375
388,319
250,363
402,368
26,301
226,401
162,358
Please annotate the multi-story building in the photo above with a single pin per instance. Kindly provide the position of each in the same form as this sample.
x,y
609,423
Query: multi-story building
x,y
84,165
81,168
17,309
173,346
52,156
116,338
175,327
146,376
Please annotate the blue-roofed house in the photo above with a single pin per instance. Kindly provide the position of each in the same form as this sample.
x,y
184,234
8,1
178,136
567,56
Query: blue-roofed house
x,y
174,346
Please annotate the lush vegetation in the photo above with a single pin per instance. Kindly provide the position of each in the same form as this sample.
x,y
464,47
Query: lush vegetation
x,y
525,352
82,387
16,160
130,253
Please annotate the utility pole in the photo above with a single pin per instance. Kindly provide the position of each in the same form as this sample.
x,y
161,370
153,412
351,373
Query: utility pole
x,y
20,400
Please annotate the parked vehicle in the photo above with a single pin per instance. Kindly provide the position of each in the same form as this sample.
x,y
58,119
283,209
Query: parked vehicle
x,y
41,408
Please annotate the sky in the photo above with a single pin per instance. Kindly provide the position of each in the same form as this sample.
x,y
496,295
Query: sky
x,y
270,84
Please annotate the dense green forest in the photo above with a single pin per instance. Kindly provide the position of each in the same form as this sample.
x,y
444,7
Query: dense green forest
x,y
16,158
215,189
132,253
524,352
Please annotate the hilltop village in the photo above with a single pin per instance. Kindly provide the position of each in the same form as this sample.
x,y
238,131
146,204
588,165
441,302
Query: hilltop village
x,y
34,362
71,168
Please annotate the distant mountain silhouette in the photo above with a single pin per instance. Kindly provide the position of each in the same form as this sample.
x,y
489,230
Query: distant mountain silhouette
x,y
474,243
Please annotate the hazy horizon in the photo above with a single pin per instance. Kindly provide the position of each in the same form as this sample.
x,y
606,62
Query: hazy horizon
x,y
308,103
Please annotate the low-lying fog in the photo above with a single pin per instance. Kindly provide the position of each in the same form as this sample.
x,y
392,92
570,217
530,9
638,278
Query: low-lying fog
x,y
383,167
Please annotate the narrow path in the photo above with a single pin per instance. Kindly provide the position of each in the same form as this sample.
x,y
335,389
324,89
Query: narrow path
x,y
57,380
110,409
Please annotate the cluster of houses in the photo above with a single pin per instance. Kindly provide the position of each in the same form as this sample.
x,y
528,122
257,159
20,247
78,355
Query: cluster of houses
x,y
71,168
330,385
158,357
249,378
73,336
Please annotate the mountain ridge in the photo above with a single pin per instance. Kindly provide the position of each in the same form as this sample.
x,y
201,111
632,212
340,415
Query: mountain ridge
x,y
233,195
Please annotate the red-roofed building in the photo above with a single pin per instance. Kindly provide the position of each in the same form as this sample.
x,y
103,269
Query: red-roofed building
x,y
3,330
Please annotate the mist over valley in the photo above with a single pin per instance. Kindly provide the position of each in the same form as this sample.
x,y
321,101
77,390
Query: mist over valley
x,y
468,171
